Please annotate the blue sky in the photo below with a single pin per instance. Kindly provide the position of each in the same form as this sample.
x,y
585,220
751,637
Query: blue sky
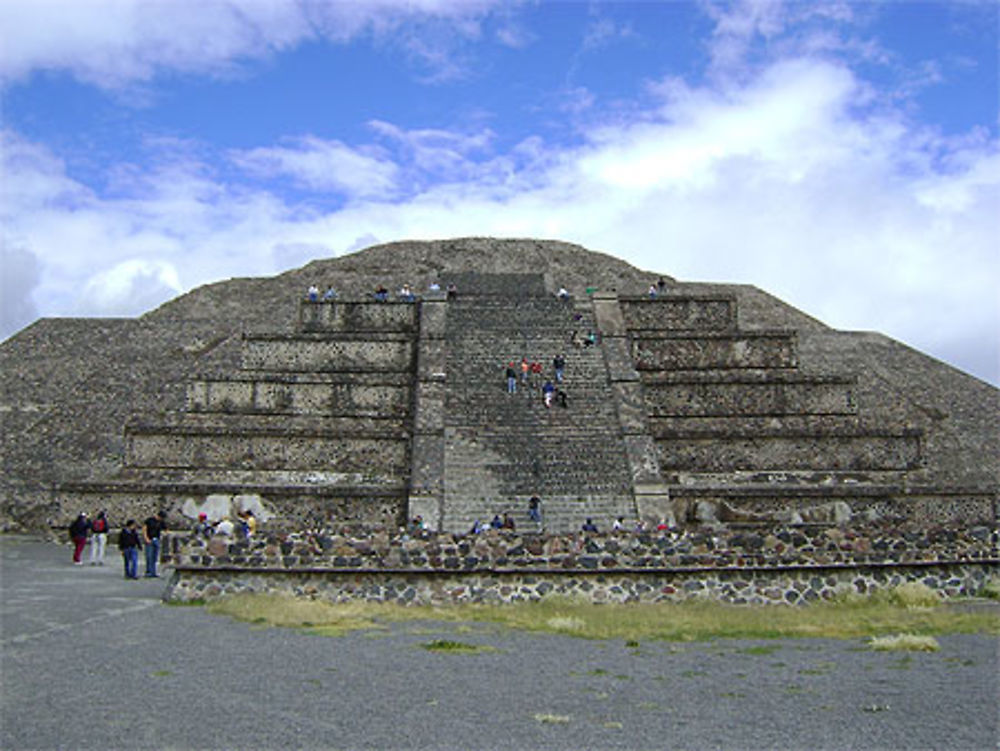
x,y
842,156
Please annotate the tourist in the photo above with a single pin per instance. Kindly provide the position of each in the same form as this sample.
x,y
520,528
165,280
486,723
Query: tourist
x,y
202,528
511,378
250,523
559,366
536,368
661,286
589,526
381,294
477,527
224,527
652,292
547,390
98,539
535,510
78,534
561,399
508,522
563,294
406,294
618,525
497,522
313,293
452,291
152,529
434,287
590,340
525,367
575,339
330,294
129,545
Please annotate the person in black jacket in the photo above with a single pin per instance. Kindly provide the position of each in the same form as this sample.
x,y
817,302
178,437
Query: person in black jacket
x,y
129,543
78,531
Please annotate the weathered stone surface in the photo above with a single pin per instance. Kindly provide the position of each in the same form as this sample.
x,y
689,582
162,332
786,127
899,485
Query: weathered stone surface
x,y
366,411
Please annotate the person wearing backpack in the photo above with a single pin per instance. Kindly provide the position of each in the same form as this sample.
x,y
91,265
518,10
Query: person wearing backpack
x,y
98,538
129,543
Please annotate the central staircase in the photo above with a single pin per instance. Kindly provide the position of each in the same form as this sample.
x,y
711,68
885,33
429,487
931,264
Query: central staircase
x,y
501,449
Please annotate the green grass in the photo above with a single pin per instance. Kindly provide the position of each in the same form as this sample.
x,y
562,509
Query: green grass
x,y
456,647
904,610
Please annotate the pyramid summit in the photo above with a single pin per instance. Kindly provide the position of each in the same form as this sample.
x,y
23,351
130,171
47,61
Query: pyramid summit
x,y
682,399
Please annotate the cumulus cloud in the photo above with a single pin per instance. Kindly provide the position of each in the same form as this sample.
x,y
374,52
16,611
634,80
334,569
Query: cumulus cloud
x,y
134,284
115,43
324,165
793,176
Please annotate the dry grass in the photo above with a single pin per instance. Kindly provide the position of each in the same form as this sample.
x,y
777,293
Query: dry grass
x,y
905,643
902,611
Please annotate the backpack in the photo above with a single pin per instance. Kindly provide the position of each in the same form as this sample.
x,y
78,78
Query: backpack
x,y
99,526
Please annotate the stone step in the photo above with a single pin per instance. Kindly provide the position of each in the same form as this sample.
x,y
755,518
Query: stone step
x,y
211,447
353,316
559,514
792,480
302,353
183,423
678,312
293,506
298,395
768,395
713,351
842,450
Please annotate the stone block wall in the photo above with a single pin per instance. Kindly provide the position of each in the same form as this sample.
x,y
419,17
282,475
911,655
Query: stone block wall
x,y
358,316
311,396
705,313
750,565
703,351
295,353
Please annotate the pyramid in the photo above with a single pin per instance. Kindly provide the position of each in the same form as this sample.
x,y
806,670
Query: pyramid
x,y
695,399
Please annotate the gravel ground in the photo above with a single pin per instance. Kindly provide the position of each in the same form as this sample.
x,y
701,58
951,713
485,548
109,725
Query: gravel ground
x,y
90,660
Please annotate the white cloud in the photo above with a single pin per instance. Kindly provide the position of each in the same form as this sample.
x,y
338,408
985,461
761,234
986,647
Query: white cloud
x,y
115,43
324,165
859,218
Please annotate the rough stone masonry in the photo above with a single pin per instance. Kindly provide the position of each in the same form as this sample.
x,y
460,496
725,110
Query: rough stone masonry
x,y
708,403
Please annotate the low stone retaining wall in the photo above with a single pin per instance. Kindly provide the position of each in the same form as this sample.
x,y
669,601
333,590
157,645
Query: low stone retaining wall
x,y
735,586
781,565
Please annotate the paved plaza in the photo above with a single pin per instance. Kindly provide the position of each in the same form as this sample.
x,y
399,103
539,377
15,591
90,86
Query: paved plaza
x,y
92,661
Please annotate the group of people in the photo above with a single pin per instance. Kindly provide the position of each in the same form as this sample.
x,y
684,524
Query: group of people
x,y
381,294
224,527
131,539
530,372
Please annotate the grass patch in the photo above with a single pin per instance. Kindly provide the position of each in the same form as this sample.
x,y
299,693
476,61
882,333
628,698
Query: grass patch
x,y
906,609
991,588
456,647
162,673
552,719
195,603
905,643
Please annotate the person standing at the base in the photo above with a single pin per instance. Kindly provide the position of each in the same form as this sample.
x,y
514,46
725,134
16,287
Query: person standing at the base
x,y
535,511
129,543
78,534
98,539
152,529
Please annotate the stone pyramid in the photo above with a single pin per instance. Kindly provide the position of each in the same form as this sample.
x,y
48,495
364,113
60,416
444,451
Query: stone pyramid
x,y
715,401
